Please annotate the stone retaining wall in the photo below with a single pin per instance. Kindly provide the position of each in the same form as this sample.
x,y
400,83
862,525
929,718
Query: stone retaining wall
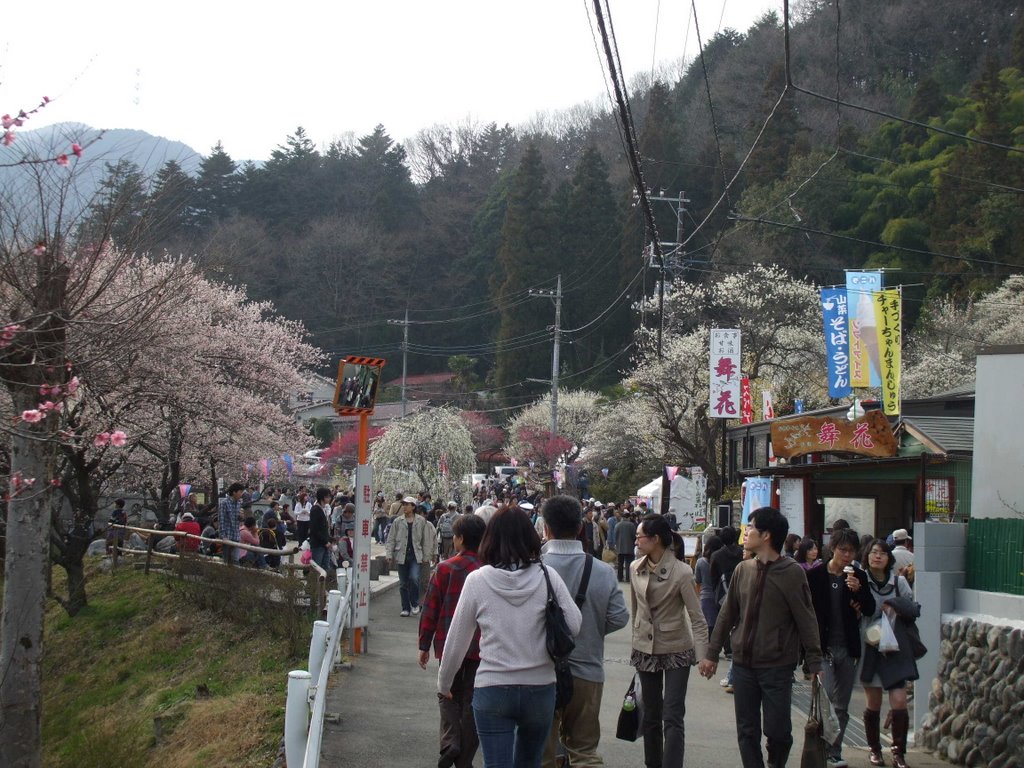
x,y
976,706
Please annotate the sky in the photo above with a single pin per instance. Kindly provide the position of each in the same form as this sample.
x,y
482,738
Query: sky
x,y
248,75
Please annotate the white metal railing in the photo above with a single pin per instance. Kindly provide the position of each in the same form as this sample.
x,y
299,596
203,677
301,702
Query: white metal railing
x,y
307,690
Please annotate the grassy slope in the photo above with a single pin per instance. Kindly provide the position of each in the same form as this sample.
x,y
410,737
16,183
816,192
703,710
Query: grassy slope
x,y
138,652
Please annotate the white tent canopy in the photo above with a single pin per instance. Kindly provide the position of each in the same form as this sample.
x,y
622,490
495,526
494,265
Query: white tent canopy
x,y
682,499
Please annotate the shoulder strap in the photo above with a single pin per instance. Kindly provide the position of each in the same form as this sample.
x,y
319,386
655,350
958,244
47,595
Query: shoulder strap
x,y
581,593
551,592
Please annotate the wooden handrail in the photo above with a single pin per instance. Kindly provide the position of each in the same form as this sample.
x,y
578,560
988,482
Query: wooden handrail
x,y
192,536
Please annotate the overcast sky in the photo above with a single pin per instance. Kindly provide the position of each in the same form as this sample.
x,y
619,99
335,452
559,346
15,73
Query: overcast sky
x,y
200,72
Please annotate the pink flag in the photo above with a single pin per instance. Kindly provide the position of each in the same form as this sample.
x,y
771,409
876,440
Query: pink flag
x,y
183,490
265,468
671,472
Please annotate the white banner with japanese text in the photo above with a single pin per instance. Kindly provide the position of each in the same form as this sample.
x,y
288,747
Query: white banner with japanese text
x,y
725,373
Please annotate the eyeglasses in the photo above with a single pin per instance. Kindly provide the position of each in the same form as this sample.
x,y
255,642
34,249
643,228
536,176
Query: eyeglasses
x,y
645,536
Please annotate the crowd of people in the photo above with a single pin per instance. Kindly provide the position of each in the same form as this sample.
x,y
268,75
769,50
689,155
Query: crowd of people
x,y
769,603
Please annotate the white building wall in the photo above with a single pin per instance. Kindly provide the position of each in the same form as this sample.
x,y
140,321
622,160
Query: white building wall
x,y
998,471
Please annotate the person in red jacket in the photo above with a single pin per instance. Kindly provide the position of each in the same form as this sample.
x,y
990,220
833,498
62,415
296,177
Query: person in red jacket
x,y
459,740
188,524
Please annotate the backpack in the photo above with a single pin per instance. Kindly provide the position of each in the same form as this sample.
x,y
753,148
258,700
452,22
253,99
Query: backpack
x,y
444,526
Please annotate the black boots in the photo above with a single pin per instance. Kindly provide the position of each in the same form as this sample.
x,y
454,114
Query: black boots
x,y
900,726
871,731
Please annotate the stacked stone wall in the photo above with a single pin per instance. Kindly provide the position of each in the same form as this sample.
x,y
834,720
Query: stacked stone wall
x,y
976,705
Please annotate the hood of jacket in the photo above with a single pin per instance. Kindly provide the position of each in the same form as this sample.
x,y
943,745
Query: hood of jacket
x,y
515,587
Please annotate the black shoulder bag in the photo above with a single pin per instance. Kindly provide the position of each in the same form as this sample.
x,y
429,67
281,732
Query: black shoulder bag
x,y
559,640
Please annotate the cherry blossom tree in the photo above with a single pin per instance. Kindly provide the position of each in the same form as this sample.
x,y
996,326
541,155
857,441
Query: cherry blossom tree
x,y
433,445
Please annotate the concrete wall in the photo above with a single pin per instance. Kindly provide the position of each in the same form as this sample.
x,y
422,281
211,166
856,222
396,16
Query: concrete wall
x,y
969,702
998,427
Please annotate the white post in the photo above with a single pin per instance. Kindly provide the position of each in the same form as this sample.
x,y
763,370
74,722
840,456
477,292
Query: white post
x,y
333,604
342,574
296,717
317,649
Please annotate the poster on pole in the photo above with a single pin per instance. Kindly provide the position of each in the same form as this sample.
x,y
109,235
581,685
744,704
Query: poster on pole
x,y
888,310
791,503
361,546
725,373
835,314
864,364
746,402
758,494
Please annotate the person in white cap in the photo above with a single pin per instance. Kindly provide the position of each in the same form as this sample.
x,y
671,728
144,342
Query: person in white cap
x,y
410,545
904,557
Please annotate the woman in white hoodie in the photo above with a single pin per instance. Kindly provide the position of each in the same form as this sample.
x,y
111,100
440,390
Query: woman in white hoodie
x,y
514,696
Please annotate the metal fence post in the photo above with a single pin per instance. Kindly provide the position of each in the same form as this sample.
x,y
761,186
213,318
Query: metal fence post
x,y
296,717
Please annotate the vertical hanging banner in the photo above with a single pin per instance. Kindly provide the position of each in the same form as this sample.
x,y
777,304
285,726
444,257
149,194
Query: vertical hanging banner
x,y
725,373
671,472
835,312
746,402
888,314
864,361
759,494
767,407
798,405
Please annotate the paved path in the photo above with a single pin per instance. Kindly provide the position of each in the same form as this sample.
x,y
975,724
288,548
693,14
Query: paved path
x,y
389,716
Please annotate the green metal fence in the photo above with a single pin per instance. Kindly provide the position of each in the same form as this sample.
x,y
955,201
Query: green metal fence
x,y
995,555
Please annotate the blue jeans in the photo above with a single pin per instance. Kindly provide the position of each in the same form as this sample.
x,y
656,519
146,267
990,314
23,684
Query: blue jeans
x,y
409,584
322,557
513,722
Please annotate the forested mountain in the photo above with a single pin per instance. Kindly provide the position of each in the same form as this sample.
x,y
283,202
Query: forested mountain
x,y
459,223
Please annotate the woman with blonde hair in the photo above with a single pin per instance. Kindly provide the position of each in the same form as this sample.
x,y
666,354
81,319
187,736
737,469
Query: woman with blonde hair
x,y
665,644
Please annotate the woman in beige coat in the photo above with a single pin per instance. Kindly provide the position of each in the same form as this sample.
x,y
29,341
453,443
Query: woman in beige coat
x,y
669,636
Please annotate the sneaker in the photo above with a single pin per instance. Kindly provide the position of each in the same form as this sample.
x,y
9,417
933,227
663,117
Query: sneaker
x,y
836,762
416,611
404,613
723,682
730,689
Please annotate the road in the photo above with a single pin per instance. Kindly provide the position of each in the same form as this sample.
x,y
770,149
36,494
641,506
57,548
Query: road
x,y
389,718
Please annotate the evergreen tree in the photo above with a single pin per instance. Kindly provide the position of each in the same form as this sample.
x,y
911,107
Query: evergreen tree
x,y
590,249
386,187
118,213
216,187
172,207
525,258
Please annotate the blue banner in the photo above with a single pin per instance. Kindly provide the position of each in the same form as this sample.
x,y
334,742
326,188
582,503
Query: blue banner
x,y
758,494
835,312
798,405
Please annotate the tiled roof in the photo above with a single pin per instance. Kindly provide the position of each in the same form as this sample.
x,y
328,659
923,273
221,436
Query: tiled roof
x,y
947,433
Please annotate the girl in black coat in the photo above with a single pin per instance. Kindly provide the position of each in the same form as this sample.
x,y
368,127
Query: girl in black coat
x,y
890,671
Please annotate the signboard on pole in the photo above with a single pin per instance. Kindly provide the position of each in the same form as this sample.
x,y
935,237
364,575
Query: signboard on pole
x,y
361,546
791,503
725,373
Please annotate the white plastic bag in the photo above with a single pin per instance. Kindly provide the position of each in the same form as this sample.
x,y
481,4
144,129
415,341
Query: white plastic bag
x,y
829,721
888,642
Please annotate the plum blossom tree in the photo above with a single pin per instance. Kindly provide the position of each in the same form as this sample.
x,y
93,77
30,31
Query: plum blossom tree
x,y
780,319
433,445
940,353
529,432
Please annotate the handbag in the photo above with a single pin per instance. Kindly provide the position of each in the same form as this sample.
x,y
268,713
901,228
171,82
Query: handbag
x,y
917,647
630,716
813,755
609,556
558,638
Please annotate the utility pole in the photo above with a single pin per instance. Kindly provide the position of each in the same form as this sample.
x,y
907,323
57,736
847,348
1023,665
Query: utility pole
x,y
674,249
405,352
557,296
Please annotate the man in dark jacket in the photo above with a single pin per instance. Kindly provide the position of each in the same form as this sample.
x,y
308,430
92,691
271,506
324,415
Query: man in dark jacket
x,y
320,531
769,614
840,595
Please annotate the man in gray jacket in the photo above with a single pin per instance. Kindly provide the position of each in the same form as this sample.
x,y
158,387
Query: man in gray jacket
x,y
604,611
625,540
410,545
